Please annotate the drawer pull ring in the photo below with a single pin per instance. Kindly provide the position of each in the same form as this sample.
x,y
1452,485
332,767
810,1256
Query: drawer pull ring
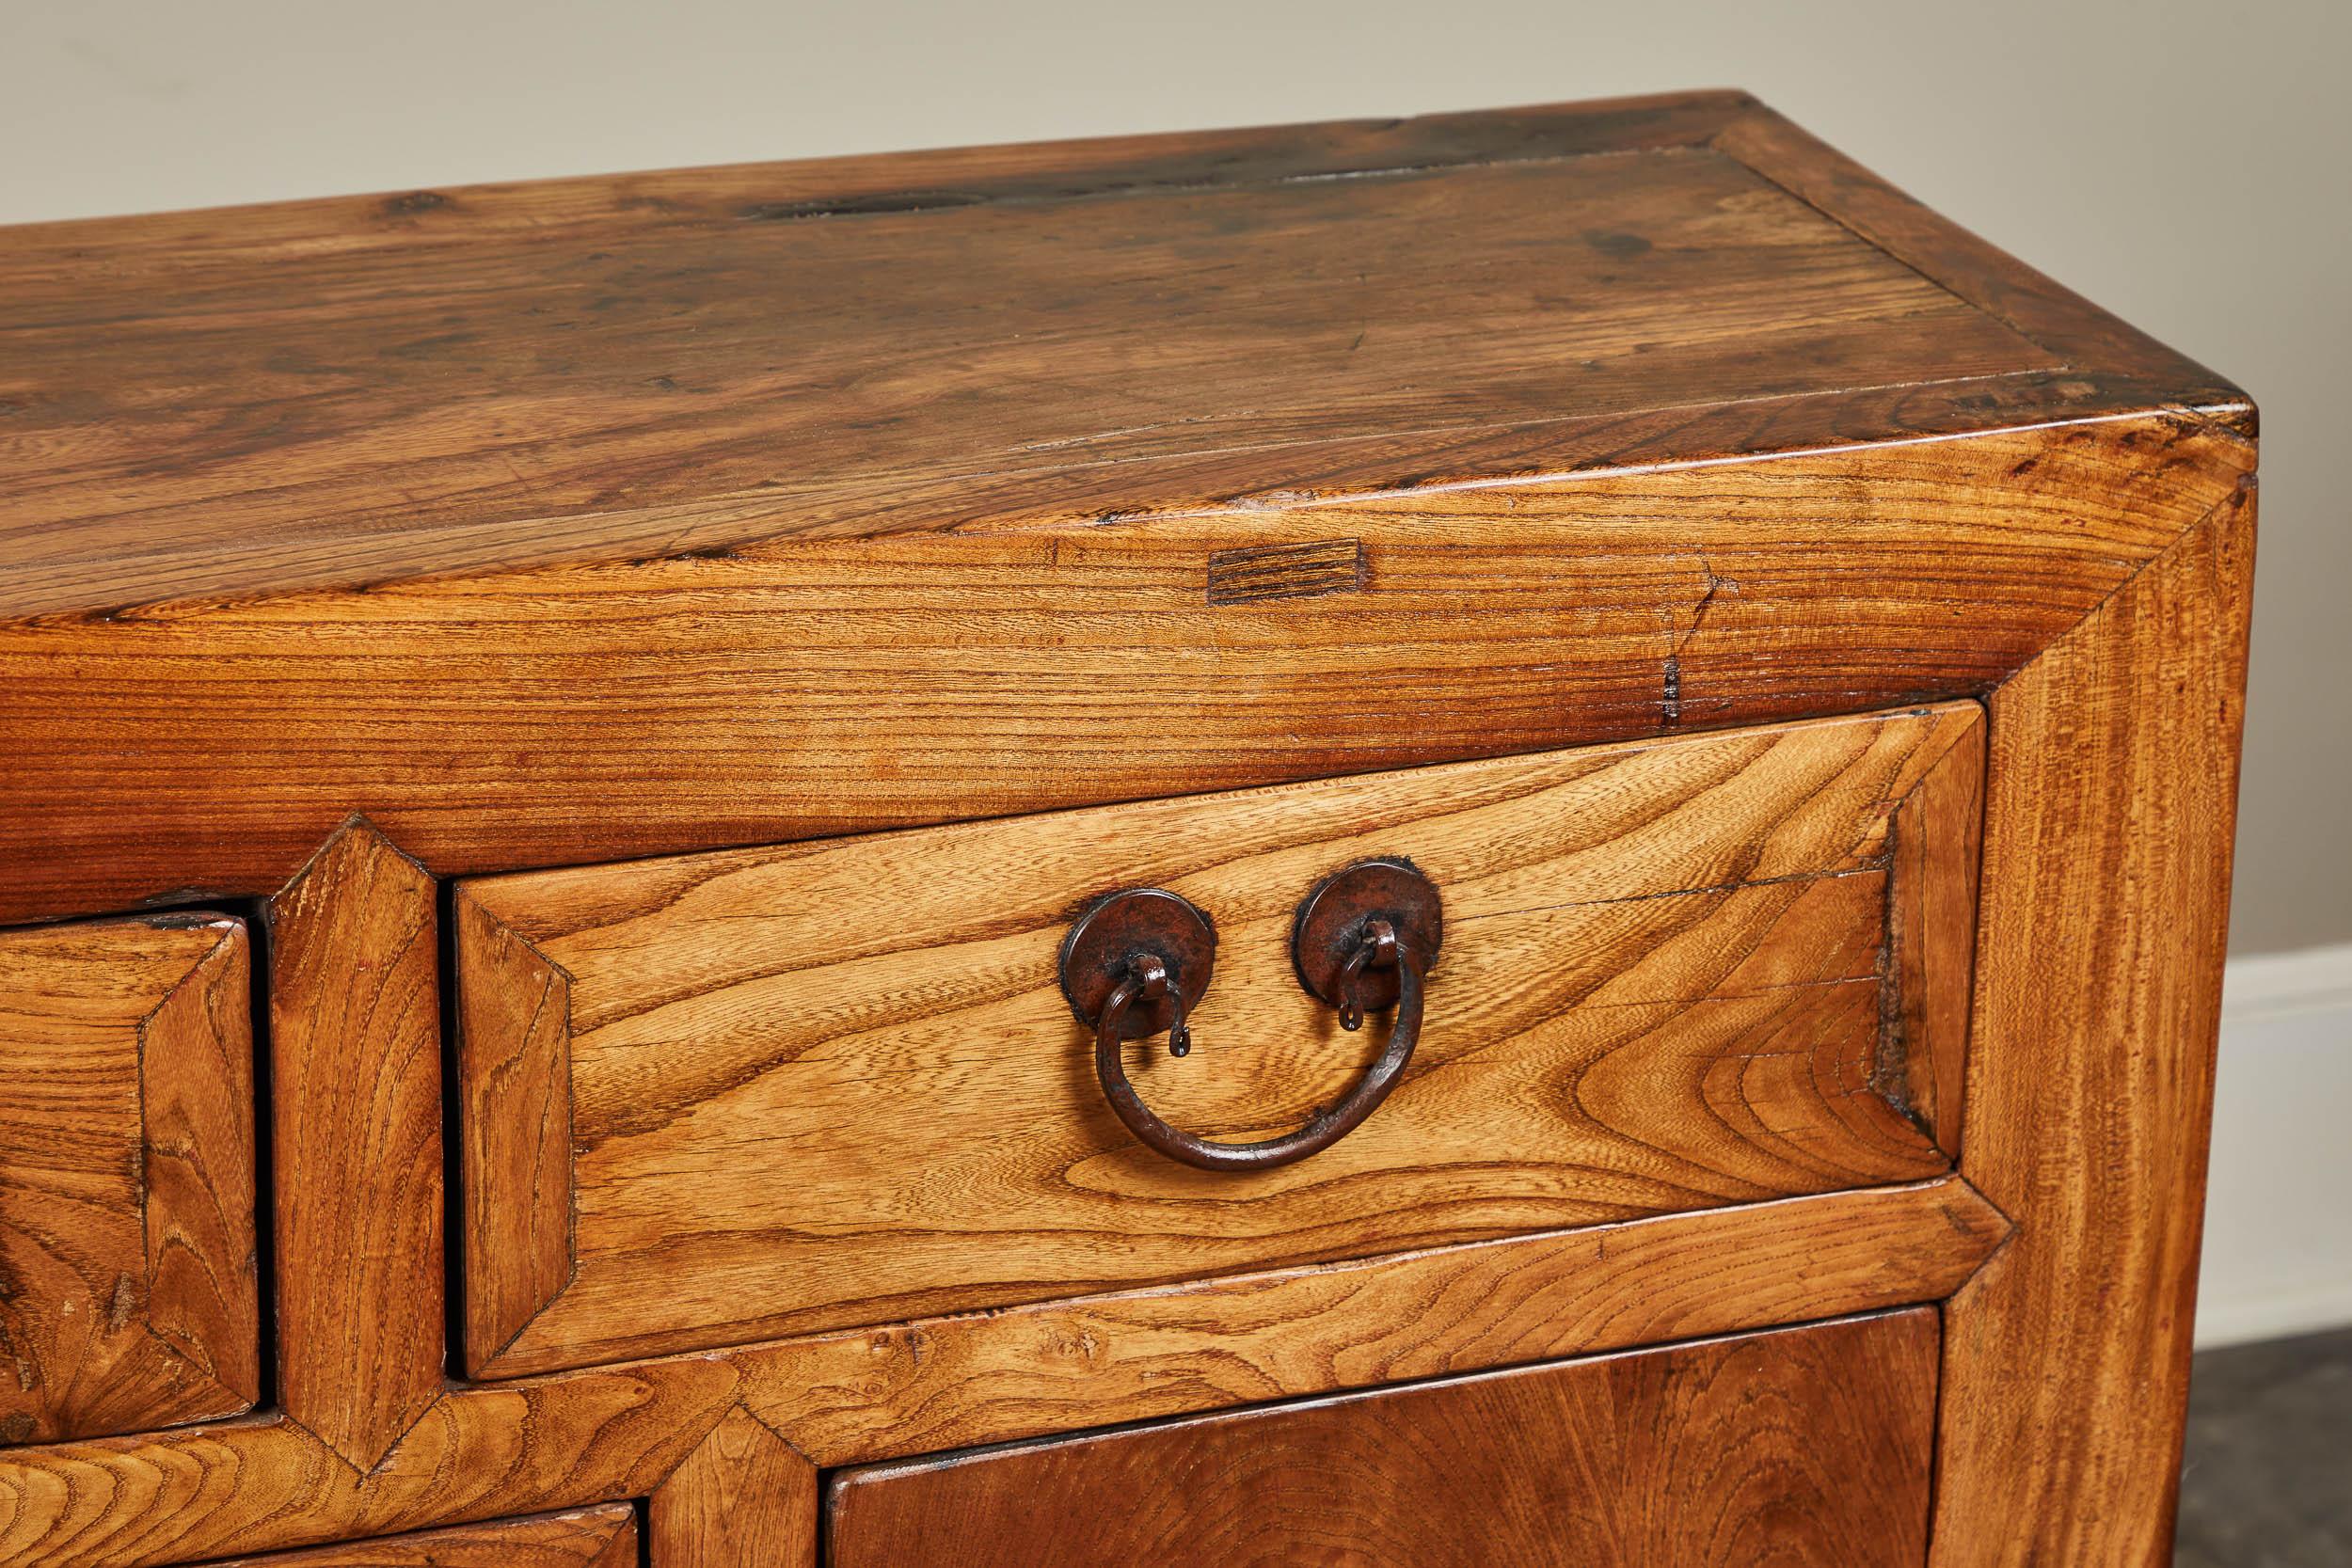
x,y
1363,942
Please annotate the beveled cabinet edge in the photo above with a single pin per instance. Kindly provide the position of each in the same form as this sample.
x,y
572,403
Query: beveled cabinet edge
x,y
514,1128
1936,859
174,1075
593,1536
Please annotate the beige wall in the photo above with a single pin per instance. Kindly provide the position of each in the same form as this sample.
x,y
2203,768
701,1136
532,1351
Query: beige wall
x,y
2185,165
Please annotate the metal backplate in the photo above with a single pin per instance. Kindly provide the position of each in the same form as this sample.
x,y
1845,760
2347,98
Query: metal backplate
x,y
1140,920
1331,922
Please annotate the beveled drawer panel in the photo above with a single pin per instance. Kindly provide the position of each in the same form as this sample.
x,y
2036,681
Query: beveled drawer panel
x,y
734,1096
128,1297
1804,1446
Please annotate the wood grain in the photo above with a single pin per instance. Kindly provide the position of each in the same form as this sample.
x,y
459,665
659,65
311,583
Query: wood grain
x,y
842,186
2108,825
745,1499
514,1084
257,1487
1802,1446
2129,365
585,1538
830,686
979,313
730,352
744,1094
356,1073
1030,1371
128,1296
587,1436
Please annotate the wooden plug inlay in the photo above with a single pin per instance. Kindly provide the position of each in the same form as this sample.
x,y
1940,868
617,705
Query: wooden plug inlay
x,y
1255,573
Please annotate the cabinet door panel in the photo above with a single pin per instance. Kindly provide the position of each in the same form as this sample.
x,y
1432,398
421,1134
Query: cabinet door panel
x,y
1799,1447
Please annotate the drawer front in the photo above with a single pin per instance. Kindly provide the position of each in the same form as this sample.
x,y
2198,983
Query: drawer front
x,y
602,1537
128,1297
1806,1445
730,1097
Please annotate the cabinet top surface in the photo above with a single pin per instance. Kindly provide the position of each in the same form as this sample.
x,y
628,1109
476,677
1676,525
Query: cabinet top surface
x,y
327,393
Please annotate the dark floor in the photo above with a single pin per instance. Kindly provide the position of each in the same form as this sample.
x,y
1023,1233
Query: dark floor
x,y
2268,1481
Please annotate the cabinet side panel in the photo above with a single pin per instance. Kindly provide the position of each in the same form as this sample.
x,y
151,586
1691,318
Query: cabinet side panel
x,y
2111,800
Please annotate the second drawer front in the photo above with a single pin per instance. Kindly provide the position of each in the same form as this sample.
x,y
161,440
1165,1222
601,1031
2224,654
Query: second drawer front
x,y
731,1097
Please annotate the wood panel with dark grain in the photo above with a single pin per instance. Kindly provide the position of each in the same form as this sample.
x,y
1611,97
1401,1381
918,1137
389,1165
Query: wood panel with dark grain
x,y
1804,1446
128,1291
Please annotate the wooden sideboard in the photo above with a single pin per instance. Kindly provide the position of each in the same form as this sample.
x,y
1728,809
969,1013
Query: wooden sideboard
x,y
1497,839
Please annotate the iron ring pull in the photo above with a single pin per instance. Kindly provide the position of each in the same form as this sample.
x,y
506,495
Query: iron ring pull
x,y
1147,981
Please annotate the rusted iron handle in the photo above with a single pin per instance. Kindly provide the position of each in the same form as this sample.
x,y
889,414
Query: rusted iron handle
x,y
1377,948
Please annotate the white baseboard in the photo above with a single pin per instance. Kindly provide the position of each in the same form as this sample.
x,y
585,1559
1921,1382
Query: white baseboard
x,y
2279,1211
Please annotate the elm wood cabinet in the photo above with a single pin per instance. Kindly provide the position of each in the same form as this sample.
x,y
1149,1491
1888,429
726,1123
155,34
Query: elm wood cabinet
x,y
650,690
